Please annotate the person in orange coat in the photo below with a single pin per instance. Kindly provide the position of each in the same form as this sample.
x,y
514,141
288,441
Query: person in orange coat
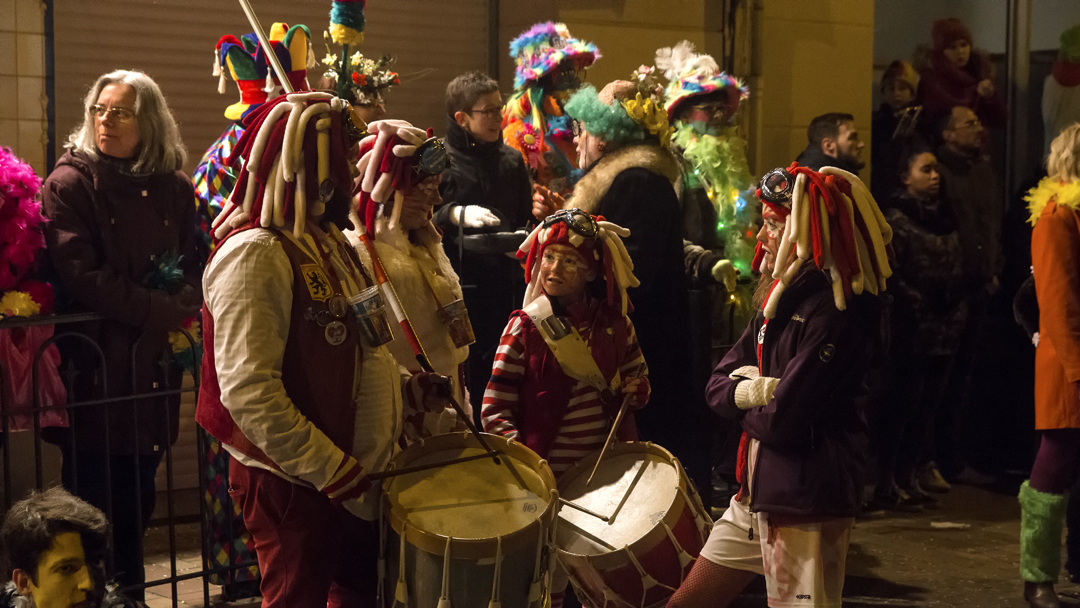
x,y
1055,213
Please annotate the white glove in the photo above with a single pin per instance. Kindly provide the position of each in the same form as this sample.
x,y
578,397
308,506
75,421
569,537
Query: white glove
x,y
746,372
755,393
724,273
475,217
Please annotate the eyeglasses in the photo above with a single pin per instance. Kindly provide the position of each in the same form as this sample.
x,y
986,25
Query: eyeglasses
x,y
117,114
974,123
575,128
493,112
571,262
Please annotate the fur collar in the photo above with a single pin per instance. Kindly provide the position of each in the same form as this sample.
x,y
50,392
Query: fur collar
x,y
1049,189
592,187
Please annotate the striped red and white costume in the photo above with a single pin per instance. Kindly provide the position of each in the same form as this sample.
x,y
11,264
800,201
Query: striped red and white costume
x,y
587,420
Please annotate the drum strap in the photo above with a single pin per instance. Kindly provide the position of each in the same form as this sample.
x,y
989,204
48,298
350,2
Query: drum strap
x,y
574,356
444,597
401,594
496,584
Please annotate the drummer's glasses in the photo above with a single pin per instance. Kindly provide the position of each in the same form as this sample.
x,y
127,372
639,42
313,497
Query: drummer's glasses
x,y
578,221
571,262
777,186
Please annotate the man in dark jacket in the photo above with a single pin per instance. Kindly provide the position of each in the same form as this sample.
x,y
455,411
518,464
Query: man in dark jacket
x,y
973,194
487,200
833,142
795,381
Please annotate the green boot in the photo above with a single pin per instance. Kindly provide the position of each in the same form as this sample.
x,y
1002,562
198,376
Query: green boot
x,y
1042,517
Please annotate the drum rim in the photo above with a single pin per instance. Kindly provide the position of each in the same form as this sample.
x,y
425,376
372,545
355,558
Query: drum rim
x,y
471,548
605,561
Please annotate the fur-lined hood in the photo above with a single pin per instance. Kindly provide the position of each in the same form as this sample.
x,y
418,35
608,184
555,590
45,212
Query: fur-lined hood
x,y
592,187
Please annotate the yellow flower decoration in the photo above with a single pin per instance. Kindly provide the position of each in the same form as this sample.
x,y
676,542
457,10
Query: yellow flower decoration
x,y
650,115
18,304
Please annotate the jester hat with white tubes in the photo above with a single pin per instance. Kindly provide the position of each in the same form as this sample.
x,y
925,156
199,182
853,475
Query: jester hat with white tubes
x,y
296,164
834,223
394,158
598,241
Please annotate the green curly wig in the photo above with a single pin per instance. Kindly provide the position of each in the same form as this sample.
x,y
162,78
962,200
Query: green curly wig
x,y
610,123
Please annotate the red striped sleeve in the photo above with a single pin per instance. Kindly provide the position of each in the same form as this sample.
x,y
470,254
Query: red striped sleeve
x,y
501,396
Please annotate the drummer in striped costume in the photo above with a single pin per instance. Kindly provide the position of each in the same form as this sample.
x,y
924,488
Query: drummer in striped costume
x,y
569,358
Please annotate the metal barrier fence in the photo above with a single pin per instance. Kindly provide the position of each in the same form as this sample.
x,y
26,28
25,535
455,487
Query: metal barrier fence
x,y
68,330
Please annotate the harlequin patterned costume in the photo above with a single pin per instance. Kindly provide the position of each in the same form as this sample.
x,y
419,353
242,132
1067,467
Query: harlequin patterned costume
x,y
214,179
550,66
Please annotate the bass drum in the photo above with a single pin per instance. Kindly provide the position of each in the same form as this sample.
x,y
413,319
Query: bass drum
x,y
656,528
470,532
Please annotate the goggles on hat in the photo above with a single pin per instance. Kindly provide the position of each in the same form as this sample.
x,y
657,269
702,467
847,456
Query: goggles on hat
x,y
777,186
431,158
577,220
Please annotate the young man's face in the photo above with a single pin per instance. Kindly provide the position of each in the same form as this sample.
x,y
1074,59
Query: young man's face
x,y
965,132
563,272
848,144
770,234
484,120
63,577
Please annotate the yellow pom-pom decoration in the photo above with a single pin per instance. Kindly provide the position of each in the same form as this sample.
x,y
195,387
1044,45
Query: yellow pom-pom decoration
x,y
18,304
343,34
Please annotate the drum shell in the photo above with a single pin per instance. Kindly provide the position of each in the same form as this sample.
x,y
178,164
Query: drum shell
x,y
472,565
658,556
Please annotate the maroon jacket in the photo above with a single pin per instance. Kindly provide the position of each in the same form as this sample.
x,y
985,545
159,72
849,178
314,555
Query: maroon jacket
x,y
105,230
944,86
811,460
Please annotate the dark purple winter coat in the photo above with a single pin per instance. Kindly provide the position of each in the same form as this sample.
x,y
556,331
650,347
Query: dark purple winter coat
x,y
812,455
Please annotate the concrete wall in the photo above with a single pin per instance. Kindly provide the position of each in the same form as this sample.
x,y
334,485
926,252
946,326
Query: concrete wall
x,y
816,57
23,123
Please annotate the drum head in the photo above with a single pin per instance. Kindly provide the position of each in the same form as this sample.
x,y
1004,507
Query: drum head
x,y
637,487
471,500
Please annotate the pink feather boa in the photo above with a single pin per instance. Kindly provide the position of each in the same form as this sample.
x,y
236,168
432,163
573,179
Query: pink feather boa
x,y
21,220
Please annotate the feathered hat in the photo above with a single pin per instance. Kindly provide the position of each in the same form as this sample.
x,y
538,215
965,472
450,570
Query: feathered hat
x,y
541,49
598,241
295,150
250,68
21,239
691,74
347,21
623,111
393,158
832,221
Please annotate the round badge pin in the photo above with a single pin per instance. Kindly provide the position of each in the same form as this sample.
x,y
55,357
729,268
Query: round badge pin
x,y
336,333
338,306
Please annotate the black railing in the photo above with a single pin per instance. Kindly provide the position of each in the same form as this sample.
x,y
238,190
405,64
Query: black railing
x,y
67,330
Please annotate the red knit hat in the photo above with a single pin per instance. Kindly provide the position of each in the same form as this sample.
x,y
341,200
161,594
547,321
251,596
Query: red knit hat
x,y
947,31
598,241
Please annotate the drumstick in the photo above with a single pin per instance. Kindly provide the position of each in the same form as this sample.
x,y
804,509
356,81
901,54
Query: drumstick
x,y
582,509
614,427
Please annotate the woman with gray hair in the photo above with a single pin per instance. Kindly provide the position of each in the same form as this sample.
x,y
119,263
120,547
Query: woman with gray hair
x,y
122,239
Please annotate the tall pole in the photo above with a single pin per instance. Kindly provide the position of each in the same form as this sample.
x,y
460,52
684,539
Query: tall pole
x,y
270,54
1018,58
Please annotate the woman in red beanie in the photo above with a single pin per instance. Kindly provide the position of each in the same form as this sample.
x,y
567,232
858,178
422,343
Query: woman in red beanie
x,y
959,75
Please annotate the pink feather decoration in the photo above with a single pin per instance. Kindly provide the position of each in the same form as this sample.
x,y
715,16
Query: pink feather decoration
x,y
21,220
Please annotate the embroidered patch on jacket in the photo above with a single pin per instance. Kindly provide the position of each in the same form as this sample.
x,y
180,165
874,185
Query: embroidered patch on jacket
x,y
796,317
318,285
826,353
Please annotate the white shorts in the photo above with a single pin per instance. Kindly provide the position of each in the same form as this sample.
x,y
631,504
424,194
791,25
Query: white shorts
x,y
802,559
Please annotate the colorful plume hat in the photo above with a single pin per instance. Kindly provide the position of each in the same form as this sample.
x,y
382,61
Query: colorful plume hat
x,y
393,159
250,68
541,49
834,223
622,112
368,78
691,74
295,150
347,21
598,241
